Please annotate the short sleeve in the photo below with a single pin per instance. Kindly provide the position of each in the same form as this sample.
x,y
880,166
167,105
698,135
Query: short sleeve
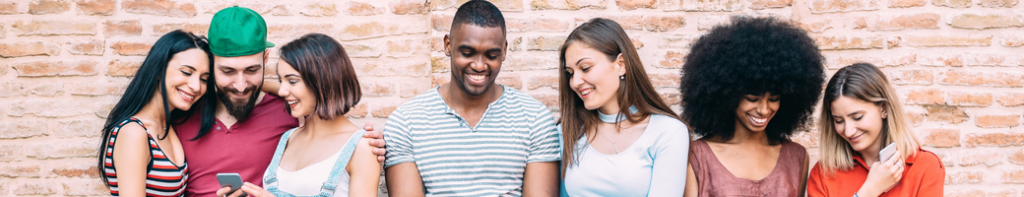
x,y
670,157
397,140
544,138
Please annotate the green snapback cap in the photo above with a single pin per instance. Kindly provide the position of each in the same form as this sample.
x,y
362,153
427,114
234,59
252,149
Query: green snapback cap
x,y
238,31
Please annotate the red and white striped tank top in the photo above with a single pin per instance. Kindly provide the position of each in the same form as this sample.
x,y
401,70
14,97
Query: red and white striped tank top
x,y
163,178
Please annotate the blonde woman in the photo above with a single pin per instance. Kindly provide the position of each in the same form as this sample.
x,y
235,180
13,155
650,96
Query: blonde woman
x,y
859,116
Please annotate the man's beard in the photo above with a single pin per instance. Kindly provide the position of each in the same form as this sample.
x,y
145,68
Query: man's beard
x,y
239,110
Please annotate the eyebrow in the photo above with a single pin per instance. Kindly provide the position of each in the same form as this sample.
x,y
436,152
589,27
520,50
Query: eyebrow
x,y
291,75
232,68
189,67
581,60
851,114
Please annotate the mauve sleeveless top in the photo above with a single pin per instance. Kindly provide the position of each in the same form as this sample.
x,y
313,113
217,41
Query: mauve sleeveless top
x,y
714,179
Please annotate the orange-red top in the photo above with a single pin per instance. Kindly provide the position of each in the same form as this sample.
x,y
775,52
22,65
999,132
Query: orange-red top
x,y
924,176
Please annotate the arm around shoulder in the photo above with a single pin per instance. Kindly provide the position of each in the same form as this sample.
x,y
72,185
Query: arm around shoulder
x,y
364,170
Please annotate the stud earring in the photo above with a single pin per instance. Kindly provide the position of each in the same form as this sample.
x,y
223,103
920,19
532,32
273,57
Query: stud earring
x,y
622,77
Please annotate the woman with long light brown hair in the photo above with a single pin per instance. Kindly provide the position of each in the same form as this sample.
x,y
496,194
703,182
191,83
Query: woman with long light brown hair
x,y
620,138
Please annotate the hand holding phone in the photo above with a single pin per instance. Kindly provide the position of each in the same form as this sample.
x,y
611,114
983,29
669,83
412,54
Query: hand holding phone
x,y
232,180
885,155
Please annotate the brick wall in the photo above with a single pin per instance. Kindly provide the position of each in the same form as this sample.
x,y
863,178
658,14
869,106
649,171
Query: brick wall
x,y
956,64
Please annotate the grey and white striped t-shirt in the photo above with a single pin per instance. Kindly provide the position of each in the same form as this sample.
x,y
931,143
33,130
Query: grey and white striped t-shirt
x,y
457,160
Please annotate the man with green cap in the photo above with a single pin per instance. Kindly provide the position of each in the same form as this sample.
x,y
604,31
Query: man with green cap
x,y
249,122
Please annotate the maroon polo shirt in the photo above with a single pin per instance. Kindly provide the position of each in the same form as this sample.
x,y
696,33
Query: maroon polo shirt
x,y
246,148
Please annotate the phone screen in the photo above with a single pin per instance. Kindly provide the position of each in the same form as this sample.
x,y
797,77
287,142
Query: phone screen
x,y
232,180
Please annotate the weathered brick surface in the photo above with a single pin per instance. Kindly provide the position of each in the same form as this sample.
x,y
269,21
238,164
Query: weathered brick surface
x,y
955,64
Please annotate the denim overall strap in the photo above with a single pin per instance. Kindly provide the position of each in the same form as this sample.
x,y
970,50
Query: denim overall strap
x,y
270,175
339,166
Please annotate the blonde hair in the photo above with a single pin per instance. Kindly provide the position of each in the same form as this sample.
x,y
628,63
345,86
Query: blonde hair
x,y
865,82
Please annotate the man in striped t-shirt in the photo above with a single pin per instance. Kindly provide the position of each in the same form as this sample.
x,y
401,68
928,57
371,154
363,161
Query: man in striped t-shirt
x,y
472,137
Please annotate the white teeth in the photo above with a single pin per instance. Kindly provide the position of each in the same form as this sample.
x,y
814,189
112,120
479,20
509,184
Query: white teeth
x,y
586,92
185,95
477,77
292,102
759,120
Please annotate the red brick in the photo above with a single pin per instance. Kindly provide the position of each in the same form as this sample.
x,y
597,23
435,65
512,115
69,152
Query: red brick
x,y
100,88
440,79
708,21
545,43
535,25
293,30
96,7
969,99
997,3
11,152
997,121
1011,40
629,22
907,3
628,5
8,8
63,149
566,5
54,28
40,7
510,79
160,8
16,171
376,29
543,81
388,67
946,114
409,7
676,41
443,22
378,89
79,169
708,6
836,6
264,9
161,29
550,100
531,62
769,4
960,59
952,3
12,89
941,138
912,77
47,89
23,129
964,192
987,21
818,25
359,111
85,188
56,68
85,47
406,48
915,118
412,88
1013,176
1017,157
962,177
102,108
29,48
671,59
319,10
981,78
671,98
664,80
122,68
440,64
925,97
907,22
840,42
971,158
948,40
37,188
131,48
78,128
1010,99
663,24
363,9
384,111
995,139
836,62
122,28
49,108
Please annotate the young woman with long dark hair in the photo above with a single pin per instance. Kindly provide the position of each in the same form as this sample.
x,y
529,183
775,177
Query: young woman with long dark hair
x,y
620,138
141,154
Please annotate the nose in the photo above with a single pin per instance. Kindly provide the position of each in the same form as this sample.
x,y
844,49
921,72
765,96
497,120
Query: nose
x,y
283,91
240,84
196,84
848,128
762,106
576,80
478,64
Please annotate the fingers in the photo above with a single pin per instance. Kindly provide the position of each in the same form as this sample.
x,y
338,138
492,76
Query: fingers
x,y
380,151
255,191
223,191
368,127
377,142
237,193
380,159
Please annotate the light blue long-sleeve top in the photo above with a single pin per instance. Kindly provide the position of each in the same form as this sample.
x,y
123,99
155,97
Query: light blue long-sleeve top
x,y
654,165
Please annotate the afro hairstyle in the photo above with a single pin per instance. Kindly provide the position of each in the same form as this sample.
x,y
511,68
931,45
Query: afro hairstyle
x,y
751,56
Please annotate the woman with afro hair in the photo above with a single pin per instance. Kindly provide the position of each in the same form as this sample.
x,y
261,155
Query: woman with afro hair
x,y
746,87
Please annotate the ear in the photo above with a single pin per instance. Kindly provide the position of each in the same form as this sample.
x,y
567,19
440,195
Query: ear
x,y
504,51
620,65
447,46
266,56
883,111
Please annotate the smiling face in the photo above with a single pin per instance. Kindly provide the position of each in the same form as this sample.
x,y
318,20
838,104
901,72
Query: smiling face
x,y
239,80
594,77
186,76
859,122
476,54
297,95
755,111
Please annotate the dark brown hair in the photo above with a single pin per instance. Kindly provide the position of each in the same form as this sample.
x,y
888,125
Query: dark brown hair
x,y
327,71
636,90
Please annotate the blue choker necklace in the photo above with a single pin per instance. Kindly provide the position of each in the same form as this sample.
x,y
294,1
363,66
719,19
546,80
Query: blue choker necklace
x,y
615,118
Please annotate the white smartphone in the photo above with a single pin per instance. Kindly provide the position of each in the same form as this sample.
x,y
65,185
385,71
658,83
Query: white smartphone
x,y
886,152
232,180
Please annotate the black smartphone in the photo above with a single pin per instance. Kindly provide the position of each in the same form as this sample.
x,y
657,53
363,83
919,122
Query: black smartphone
x,y
232,180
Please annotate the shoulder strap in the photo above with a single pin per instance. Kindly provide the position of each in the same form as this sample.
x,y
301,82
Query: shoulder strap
x,y
339,166
270,176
